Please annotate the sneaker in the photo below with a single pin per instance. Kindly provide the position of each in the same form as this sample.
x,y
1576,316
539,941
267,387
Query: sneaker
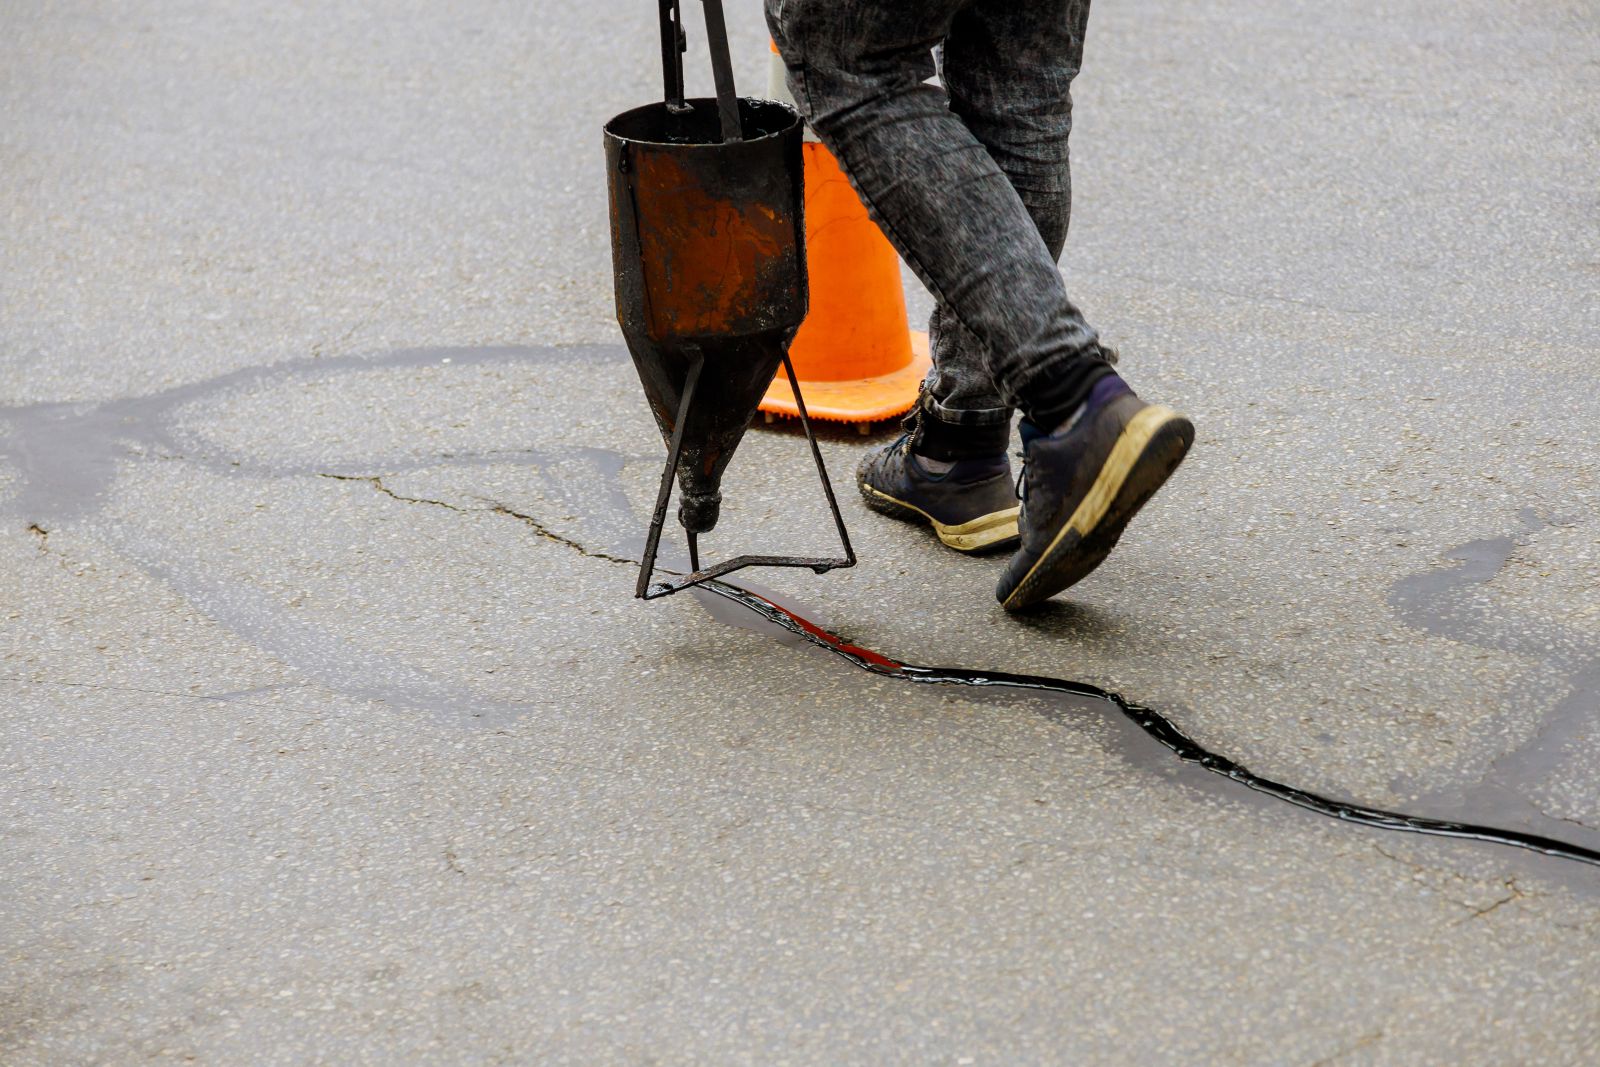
x,y
1083,483
970,503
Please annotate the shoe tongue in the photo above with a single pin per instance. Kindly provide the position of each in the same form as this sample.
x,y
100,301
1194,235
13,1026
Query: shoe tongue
x,y
1029,432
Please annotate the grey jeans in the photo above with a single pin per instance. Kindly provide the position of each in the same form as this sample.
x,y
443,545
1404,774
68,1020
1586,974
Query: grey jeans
x,y
969,182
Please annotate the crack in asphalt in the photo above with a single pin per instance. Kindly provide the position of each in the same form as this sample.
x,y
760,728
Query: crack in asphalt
x,y
550,535
1155,725
1366,1040
1516,894
494,507
1152,722
376,481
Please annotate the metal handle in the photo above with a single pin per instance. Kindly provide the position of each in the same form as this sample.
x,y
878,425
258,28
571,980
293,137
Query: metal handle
x,y
674,42
722,71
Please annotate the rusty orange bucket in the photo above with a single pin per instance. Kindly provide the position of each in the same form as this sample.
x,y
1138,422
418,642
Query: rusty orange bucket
x,y
708,258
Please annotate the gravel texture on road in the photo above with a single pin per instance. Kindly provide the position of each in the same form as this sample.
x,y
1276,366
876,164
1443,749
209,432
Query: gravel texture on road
x,y
331,731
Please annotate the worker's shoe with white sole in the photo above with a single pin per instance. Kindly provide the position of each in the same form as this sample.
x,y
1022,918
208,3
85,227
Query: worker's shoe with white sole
x,y
1083,482
970,503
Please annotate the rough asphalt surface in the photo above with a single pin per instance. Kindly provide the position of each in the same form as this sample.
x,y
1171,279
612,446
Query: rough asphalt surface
x,y
331,731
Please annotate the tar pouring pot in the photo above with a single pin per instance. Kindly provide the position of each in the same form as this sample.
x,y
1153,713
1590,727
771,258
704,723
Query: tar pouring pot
x,y
708,255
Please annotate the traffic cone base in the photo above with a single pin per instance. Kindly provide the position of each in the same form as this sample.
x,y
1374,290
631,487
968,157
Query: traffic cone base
x,y
859,400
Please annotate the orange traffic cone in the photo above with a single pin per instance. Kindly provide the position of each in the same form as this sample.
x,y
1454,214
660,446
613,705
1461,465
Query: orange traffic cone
x,y
855,356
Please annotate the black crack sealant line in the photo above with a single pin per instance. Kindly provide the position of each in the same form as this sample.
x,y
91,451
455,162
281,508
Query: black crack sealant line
x,y
1155,725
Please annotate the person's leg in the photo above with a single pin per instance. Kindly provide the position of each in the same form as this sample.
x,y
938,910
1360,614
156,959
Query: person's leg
x,y
1007,78
960,413
952,474
950,469
1007,71
1095,451
858,70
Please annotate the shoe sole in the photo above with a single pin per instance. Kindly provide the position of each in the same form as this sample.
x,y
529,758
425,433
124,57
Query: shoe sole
x,y
986,531
1146,453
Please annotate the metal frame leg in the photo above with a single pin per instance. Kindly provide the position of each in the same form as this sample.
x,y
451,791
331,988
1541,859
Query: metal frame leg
x,y
822,472
646,591
647,565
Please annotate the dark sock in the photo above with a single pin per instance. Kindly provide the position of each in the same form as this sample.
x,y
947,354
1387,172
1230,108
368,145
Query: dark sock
x,y
1104,391
1056,401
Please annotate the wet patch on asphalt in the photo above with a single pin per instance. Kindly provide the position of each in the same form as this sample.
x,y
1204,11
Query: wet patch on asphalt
x,y
67,457
1453,602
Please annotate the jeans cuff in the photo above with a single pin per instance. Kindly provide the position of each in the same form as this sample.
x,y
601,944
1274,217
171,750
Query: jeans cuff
x,y
943,433
995,416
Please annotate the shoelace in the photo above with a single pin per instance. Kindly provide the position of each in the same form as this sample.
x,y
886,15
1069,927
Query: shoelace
x,y
1021,488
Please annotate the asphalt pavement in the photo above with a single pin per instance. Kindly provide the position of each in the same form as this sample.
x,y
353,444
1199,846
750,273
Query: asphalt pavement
x,y
331,730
